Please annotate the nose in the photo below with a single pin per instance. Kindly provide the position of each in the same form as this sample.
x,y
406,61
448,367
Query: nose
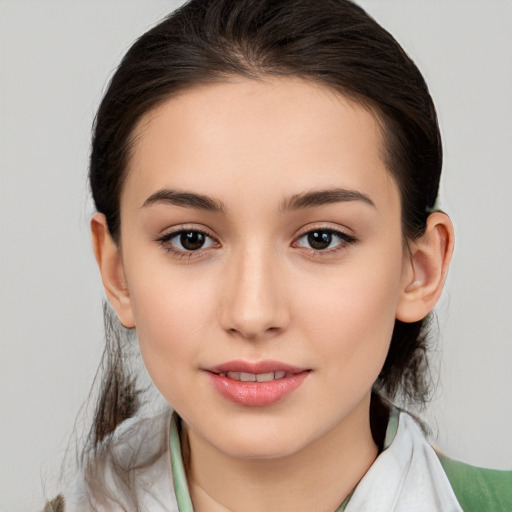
x,y
254,302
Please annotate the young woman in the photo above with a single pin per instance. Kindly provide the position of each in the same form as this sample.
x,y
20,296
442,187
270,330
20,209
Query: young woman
x,y
265,175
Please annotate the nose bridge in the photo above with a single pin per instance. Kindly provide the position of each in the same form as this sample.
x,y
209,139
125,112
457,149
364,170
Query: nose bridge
x,y
254,305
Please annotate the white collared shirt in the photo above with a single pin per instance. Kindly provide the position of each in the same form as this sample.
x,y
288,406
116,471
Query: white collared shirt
x,y
407,476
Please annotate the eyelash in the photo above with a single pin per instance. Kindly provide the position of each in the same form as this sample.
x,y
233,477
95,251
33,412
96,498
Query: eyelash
x,y
165,242
344,239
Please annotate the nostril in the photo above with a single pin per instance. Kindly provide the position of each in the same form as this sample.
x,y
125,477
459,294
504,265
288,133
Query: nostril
x,y
255,334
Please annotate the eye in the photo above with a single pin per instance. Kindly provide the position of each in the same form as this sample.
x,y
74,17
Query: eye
x,y
186,241
324,239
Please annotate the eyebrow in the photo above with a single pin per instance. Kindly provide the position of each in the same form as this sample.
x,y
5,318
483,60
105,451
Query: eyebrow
x,y
300,201
185,199
317,198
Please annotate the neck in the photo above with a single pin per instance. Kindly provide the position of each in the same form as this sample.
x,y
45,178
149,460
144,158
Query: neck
x,y
319,477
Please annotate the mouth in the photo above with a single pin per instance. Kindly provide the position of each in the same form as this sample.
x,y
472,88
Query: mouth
x,y
266,367
255,377
256,384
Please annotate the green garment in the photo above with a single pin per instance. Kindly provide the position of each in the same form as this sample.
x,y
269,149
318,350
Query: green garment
x,y
479,489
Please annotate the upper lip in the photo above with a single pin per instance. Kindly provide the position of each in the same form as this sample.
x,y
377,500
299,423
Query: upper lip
x,y
255,367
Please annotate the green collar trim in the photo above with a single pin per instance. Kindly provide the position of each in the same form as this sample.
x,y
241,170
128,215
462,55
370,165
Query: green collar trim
x,y
180,479
178,469
392,427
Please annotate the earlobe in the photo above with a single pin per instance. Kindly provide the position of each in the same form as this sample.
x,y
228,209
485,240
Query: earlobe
x,y
425,269
111,269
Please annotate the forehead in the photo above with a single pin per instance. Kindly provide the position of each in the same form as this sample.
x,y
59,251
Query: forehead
x,y
244,138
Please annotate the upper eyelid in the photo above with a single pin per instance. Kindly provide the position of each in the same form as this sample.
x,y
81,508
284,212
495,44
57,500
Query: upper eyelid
x,y
325,227
344,237
172,232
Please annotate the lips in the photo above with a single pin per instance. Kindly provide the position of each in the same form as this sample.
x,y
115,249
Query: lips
x,y
255,377
256,384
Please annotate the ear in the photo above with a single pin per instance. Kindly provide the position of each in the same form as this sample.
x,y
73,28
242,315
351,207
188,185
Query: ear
x,y
425,269
111,268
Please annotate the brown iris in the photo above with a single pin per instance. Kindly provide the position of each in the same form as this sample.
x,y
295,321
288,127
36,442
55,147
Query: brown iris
x,y
192,240
319,239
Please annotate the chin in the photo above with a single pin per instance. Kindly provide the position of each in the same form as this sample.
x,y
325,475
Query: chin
x,y
262,451
259,444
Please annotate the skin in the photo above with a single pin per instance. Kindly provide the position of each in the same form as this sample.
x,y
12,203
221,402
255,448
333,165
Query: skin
x,y
258,290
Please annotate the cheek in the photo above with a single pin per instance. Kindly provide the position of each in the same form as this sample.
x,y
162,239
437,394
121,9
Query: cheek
x,y
171,314
350,318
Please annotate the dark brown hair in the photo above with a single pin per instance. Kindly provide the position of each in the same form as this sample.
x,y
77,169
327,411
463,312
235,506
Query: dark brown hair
x,y
330,42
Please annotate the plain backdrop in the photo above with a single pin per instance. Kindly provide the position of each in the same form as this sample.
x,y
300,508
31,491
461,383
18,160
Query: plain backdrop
x,y
55,59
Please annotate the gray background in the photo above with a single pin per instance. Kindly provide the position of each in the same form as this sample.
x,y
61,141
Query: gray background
x,y
55,59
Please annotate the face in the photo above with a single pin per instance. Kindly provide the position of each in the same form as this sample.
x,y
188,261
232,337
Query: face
x,y
261,240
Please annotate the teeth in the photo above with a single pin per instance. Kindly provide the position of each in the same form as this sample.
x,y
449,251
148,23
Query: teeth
x,y
254,377
265,377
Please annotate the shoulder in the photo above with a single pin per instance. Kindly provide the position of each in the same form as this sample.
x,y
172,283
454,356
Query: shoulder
x,y
130,467
478,489
472,489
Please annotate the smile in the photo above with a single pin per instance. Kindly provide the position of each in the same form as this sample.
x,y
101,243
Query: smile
x,y
255,377
256,384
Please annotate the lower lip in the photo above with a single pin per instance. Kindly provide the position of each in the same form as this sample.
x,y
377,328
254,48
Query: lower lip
x,y
257,394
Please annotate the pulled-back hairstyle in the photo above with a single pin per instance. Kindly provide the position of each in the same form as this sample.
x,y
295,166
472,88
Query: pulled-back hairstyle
x,y
329,42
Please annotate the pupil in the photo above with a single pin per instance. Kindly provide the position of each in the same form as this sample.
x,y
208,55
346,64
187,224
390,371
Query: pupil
x,y
319,239
192,240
